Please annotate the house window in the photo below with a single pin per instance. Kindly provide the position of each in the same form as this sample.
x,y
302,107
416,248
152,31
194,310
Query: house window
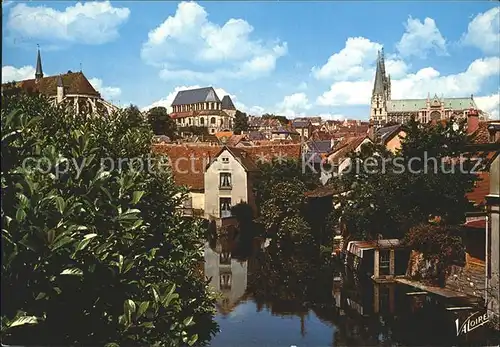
x,y
225,258
212,120
225,281
225,207
384,262
225,180
225,160
189,121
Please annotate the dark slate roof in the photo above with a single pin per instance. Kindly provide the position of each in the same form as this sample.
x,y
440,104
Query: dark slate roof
x,y
256,135
227,103
301,123
386,132
323,146
193,96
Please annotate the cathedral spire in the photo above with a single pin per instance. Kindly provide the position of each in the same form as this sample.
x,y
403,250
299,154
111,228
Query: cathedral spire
x,y
39,71
378,87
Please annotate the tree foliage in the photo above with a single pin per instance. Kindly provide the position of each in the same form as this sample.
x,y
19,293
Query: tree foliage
x,y
240,122
161,122
389,193
439,244
97,256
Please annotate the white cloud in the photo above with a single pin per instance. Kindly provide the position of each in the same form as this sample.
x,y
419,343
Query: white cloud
x,y
329,116
213,51
417,85
490,104
93,22
420,38
350,61
108,93
10,73
357,61
293,105
483,32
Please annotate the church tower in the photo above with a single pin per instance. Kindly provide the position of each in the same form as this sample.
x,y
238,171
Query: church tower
x,y
381,93
39,71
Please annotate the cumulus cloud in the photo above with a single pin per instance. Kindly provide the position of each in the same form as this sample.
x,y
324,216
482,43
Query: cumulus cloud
x,y
356,60
94,22
490,104
483,32
420,38
108,93
293,105
11,73
330,116
212,51
416,85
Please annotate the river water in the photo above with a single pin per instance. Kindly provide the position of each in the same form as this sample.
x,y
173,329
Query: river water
x,y
270,298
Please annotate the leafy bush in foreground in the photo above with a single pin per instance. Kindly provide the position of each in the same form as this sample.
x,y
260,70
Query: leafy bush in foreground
x,y
98,256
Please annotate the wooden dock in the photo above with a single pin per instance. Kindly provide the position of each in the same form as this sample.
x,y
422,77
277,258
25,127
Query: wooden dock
x,y
431,289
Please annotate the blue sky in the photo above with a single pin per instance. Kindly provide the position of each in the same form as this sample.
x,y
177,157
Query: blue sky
x,y
292,58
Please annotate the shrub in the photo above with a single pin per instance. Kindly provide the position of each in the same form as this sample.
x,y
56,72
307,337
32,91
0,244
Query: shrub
x,y
100,255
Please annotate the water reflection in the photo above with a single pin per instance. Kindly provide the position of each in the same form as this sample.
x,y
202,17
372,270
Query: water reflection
x,y
273,297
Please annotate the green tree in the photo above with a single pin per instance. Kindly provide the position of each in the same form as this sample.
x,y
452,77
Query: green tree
x,y
240,122
397,192
161,122
94,250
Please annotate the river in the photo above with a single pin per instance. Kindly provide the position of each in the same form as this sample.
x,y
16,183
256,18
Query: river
x,y
268,297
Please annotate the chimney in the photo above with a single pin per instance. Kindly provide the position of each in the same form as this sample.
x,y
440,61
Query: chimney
x,y
60,89
472,121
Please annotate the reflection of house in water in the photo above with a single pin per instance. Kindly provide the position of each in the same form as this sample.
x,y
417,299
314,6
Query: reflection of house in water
x,y
228,277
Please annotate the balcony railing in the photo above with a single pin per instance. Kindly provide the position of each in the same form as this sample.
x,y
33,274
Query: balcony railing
x,y
226,187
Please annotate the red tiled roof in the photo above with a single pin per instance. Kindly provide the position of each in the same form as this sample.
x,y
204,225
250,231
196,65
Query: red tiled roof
x,y
235,139
74,83
344,147
480,190
476,224
185,173
482,135
192,113
192,175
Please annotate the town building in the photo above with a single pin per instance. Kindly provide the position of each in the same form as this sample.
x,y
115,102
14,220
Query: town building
x,y
339,159
202,108
229,176
389,136
385,110
304,127
71,89
284,133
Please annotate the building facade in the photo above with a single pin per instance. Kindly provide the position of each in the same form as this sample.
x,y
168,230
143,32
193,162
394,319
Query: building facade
x,y
72,89
228,181
202,108
385,110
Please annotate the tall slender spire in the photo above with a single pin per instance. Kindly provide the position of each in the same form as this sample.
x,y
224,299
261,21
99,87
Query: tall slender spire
x,y
382,62
378,87
39,71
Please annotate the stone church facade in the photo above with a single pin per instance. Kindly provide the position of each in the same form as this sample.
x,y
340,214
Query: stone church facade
x,y
385,110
